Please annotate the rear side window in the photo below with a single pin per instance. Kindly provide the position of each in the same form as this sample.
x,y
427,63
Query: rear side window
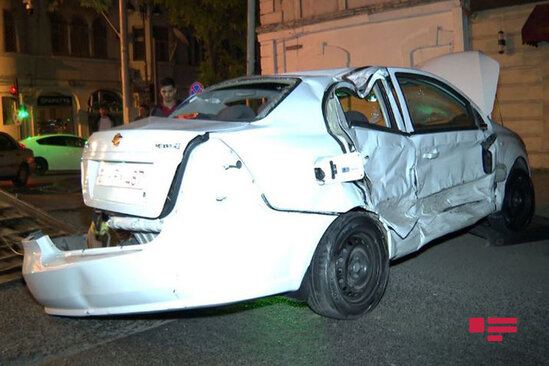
x,y
6,143
432,106
369,111
53,140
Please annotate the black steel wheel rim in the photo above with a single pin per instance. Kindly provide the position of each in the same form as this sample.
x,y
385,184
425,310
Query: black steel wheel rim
x,y
518,203
356,266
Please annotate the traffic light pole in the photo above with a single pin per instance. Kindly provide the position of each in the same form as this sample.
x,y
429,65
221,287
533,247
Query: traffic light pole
x,y
250,69
125,74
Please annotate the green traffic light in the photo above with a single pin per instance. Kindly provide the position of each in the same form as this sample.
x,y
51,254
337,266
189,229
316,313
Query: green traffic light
x,y
22,113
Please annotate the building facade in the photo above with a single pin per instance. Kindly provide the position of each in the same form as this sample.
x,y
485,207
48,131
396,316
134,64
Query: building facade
x,y
64,62
306,34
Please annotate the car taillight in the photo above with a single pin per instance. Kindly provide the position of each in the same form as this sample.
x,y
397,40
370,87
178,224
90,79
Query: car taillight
x,y
22,145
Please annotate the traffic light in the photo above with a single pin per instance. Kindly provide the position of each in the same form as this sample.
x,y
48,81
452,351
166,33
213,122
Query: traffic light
x,y
22,113
14,88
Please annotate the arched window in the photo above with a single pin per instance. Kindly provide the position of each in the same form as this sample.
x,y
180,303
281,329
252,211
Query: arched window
x,y
59,39
99,31
80,38
10,41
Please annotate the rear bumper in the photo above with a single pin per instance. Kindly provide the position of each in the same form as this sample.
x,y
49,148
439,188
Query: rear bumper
x,y
102,281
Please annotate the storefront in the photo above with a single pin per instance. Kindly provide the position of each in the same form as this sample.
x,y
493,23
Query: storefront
x,y
54,114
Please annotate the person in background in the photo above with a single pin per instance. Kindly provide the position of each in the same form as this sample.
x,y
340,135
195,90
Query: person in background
x,y
104,122
142,112
168,93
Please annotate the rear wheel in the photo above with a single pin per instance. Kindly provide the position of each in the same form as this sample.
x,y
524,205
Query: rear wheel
x,y
350,268
22,176
41,166
518,204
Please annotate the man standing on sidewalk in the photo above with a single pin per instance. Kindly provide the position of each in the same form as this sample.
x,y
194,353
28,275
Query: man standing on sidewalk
x,y
168,92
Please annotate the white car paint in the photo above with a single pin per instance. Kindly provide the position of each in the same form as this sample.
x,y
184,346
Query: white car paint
x,y
230,211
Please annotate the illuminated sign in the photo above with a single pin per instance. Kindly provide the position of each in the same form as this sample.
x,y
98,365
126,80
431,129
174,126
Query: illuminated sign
x,y
54,100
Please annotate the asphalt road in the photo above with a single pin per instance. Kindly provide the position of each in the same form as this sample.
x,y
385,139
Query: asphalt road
x,y
423,319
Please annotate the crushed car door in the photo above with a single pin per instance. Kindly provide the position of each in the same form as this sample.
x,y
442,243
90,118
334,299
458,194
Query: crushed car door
x,y
373,124
454,178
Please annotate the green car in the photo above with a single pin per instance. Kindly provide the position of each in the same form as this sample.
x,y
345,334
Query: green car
x,y
56,152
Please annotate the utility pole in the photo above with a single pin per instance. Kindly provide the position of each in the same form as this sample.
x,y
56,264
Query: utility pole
x,y
125,72
250,69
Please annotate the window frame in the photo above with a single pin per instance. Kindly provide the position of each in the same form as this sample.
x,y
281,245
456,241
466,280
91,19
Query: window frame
x,y
161,44
139,51
79,37
59,26
99,39
384,103
10,32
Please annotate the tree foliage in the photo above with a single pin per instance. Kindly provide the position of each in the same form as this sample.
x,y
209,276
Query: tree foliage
x,y
220,27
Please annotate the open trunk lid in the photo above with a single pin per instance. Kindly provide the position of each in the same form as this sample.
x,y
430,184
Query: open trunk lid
x,y
130,169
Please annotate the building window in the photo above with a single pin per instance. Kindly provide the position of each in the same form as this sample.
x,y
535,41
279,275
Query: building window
x,y
80,38
195,51
99,31
161,39
138,44
10,42
59,39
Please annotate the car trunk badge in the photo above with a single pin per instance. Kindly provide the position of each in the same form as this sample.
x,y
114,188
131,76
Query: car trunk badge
x,y
116,139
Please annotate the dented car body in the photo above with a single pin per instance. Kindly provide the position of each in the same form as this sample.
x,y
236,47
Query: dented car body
x,y
305,183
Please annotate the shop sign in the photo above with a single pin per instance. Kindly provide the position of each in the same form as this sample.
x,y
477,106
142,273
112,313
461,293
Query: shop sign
x,y
54,100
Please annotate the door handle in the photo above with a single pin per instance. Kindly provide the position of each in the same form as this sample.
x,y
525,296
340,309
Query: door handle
x,y
433,154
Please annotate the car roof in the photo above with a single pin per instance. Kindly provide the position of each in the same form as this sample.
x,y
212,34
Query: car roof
x,y
37,137
328,73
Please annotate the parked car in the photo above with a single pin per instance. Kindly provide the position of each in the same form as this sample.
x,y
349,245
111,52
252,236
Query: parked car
x,y
305,184
16,161
56,151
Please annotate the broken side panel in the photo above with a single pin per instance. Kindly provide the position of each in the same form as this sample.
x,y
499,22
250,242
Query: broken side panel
x,y
389,166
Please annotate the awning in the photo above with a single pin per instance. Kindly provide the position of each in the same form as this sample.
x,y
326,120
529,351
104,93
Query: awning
x,y
536,28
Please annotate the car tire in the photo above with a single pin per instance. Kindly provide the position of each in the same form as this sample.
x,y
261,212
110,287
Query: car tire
x,y
350,268
41,166
20,180
518,203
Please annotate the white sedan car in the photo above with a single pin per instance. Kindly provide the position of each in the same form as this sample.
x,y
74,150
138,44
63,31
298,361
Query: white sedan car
x,y
56,152
303,184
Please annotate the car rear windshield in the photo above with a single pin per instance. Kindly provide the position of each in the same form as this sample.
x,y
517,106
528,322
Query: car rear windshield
x,y
246,100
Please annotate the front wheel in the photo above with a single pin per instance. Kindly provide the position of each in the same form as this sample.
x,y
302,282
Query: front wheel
x,y
350,267
518,204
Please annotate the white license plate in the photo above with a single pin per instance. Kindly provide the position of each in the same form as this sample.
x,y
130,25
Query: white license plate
x,y
123,175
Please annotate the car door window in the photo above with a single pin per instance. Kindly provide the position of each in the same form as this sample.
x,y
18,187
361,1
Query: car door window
x,y
370,111
433,107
